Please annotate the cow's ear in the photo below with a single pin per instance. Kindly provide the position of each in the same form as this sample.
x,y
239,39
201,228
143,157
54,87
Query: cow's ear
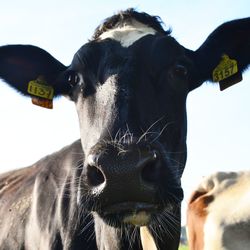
x,y
24,67
224,55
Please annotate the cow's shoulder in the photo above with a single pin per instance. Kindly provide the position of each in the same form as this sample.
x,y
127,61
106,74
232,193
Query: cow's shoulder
x,y
37,184
17,183
61,162
15,201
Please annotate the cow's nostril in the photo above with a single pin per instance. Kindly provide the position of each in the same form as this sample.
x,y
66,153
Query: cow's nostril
x,y
150,172
95,176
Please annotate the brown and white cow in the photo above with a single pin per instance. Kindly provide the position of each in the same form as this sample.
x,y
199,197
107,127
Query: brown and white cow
x,y
218,216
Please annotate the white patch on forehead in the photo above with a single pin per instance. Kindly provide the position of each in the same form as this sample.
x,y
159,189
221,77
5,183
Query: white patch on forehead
x,y
128,33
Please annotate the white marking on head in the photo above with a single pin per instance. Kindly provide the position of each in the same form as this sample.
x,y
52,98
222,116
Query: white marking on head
x,y
91,129
128,33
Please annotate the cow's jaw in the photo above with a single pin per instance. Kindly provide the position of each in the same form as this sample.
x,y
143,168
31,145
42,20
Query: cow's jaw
x,y
134,213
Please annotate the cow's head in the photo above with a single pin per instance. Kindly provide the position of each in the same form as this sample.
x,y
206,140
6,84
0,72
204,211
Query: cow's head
x,y
130,85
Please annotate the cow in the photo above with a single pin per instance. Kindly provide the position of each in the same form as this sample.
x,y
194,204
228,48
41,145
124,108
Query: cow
x,y
218,215
119,185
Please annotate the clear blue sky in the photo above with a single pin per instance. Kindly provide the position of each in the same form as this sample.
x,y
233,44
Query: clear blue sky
x,y
218,122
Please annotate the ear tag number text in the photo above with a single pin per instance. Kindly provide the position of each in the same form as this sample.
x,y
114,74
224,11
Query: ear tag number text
x,y
226,68
36,88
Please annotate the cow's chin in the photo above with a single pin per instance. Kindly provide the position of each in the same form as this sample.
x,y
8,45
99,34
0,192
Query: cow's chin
x,y
129,213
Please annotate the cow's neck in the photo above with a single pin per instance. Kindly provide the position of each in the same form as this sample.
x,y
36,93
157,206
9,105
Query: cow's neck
x,y
128,32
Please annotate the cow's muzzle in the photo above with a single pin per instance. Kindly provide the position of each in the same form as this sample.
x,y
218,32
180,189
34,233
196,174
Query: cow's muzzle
x,y
124,181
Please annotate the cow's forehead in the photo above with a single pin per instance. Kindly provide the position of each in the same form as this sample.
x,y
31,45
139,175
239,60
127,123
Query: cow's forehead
x,y
128,32
156,51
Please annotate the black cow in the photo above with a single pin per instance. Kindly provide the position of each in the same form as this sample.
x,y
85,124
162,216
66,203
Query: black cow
x,y
118,187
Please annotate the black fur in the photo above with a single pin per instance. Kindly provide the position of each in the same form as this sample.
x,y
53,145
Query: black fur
x,y
131,103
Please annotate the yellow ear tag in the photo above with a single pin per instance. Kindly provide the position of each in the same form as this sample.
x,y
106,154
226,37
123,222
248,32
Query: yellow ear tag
x,y
226,68
41,92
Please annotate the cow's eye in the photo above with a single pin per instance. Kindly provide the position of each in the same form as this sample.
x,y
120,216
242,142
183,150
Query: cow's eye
x,y
72,78
180,70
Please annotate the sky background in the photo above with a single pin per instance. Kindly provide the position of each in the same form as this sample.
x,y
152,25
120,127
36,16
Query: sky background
x,y
218,122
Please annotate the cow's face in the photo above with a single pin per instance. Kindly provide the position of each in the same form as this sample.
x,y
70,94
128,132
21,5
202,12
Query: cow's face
x,y
130,85
131,106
